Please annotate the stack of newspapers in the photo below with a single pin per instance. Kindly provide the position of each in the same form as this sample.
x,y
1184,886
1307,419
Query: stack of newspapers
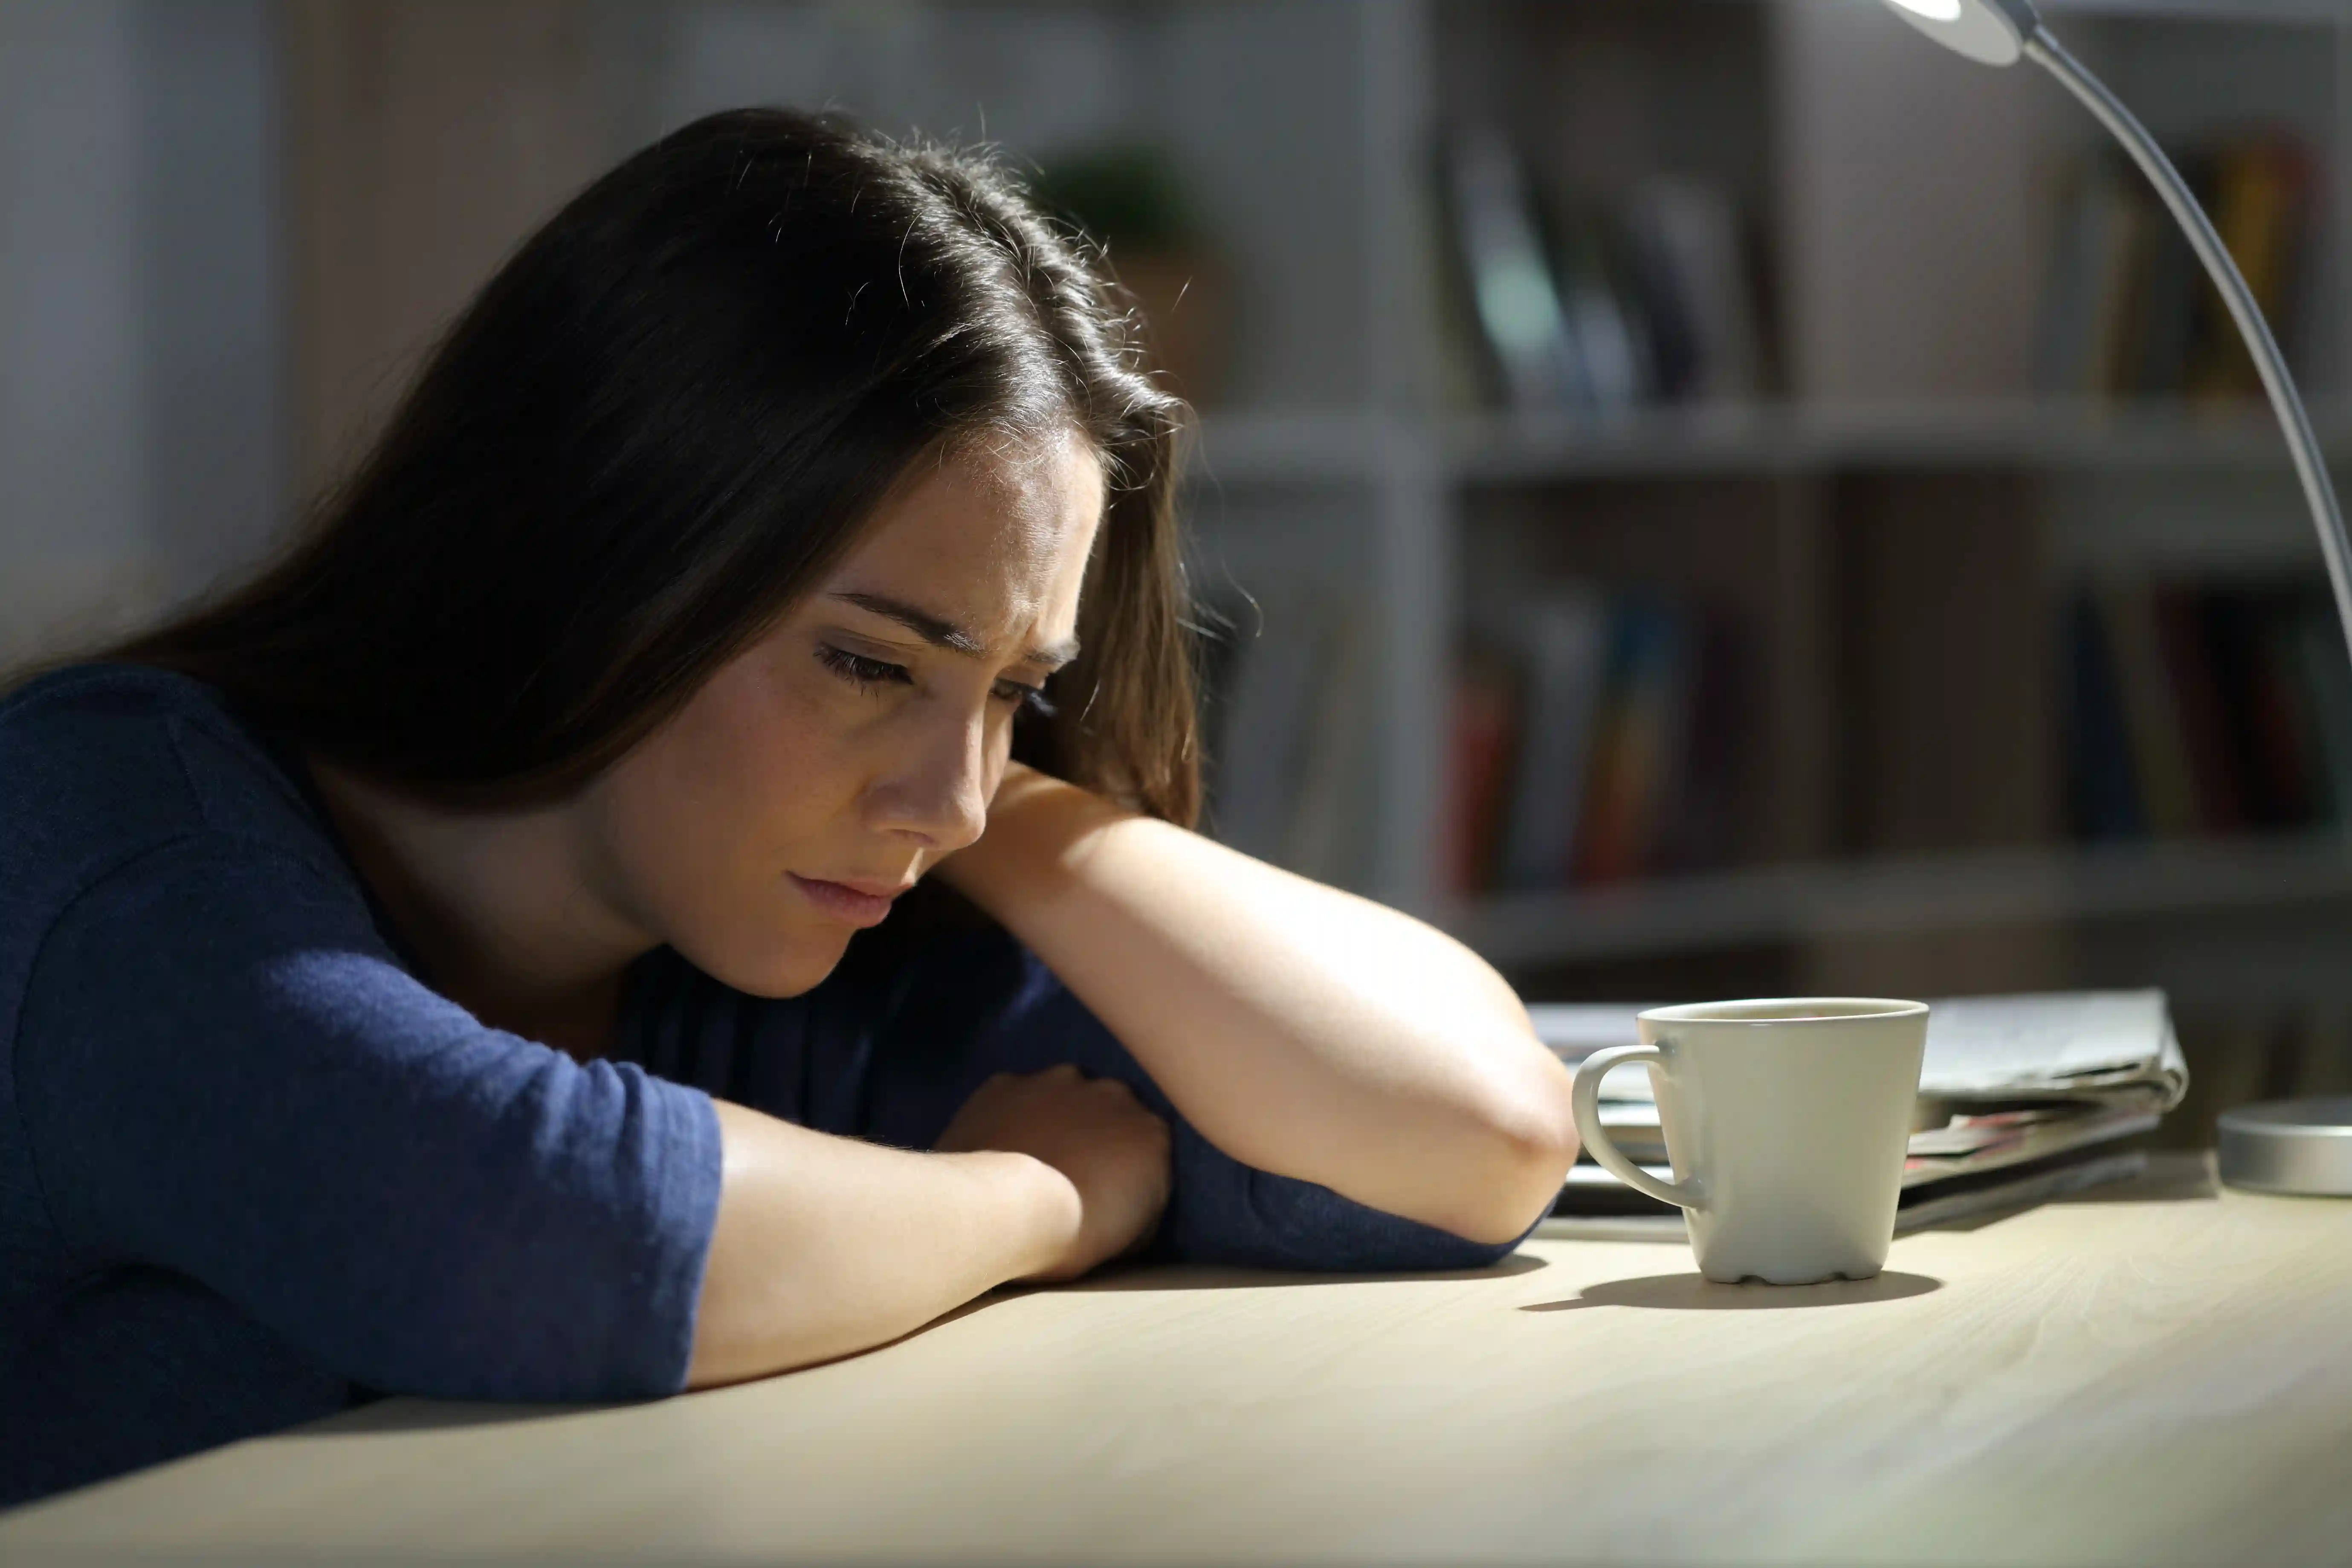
x,y
2022,1099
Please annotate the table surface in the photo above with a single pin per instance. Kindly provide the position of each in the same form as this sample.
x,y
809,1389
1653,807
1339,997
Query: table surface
x,y
2163,1376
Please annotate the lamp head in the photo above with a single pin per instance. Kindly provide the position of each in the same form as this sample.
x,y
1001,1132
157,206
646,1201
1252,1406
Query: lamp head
x,y
1992,32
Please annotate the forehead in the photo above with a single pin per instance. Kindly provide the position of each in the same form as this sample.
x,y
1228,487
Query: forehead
x,y
995,536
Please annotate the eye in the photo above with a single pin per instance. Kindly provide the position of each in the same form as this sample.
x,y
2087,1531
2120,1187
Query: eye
x,y
1031,700
860,671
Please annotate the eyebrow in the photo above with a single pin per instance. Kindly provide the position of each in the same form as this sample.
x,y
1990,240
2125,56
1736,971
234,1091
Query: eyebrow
x,y
941,632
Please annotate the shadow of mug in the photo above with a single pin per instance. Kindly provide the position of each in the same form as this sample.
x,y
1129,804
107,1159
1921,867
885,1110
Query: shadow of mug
x,y
1697,1293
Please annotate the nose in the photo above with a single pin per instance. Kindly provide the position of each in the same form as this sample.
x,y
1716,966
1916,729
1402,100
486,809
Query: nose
x,y
939,796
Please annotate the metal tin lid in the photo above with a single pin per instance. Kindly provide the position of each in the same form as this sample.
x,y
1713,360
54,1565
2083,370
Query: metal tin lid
x,y
2302,1146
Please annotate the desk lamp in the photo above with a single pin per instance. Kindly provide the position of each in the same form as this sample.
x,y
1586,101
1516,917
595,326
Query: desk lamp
x,y
2288,1145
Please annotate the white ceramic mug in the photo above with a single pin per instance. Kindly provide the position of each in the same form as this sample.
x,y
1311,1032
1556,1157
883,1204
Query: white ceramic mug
x,y
1786,1122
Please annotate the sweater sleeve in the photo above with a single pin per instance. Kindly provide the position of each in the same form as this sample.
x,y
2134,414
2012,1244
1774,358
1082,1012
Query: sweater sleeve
x,y
222,1072
982,1005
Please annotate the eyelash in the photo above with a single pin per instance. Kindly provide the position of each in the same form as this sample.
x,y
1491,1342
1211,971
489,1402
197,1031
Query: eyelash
x,y
865,674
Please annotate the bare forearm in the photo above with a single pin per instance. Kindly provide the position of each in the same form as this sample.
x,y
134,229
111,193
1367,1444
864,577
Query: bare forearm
x,y
826,1246
1303,1030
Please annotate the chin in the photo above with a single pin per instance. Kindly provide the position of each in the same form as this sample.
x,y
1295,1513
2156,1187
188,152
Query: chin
x,y
795,963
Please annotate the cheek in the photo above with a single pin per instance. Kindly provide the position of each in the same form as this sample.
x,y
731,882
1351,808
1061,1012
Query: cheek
x,y
768,752
999,756
701,821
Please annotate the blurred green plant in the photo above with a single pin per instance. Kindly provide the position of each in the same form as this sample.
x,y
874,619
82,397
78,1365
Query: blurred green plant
x,y
1128,198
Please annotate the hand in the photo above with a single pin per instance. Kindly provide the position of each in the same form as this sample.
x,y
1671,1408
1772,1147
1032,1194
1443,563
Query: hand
x,y
1112,1149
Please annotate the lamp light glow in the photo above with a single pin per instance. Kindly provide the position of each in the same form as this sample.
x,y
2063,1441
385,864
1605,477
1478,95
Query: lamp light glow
x,y
1992,32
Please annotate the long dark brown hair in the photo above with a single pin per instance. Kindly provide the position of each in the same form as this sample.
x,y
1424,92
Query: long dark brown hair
x,y
659,421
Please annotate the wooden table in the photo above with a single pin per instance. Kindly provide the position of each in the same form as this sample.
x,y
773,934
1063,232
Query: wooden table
x,y
2164,1378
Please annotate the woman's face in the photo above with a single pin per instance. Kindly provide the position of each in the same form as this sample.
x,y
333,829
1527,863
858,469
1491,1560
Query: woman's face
x,y
822,770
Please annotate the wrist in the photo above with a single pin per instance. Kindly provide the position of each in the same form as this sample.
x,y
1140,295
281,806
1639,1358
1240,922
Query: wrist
x,y
1029,1205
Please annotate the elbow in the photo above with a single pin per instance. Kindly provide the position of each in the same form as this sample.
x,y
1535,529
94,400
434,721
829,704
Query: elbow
x,y
1530,1141
1552,1140
1543,1147
1536,1120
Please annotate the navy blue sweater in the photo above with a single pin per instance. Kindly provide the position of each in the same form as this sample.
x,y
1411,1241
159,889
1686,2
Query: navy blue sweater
x,y
253,1170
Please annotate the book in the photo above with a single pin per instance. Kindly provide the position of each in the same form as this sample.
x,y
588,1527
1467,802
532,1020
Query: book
x,y
1337,731
2258,719
2069,287
2104,792
1660,296
1596,737
1292,709
1258,750
2200,710
1695,283
2174,288
2204,708
2261,191
2128,228
1700,819
1609,336
1562,643
2285,721
1482,746
1516,299
2157,746
1596,302
2127,311
2095,282
1633,749
2327,683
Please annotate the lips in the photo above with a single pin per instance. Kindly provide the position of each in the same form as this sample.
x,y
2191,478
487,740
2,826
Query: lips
x,y
861,901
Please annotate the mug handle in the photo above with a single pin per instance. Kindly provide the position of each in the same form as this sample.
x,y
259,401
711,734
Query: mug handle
x,y
1586,1101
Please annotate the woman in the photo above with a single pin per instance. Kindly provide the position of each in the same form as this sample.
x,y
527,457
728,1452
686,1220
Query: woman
x,y
430,968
